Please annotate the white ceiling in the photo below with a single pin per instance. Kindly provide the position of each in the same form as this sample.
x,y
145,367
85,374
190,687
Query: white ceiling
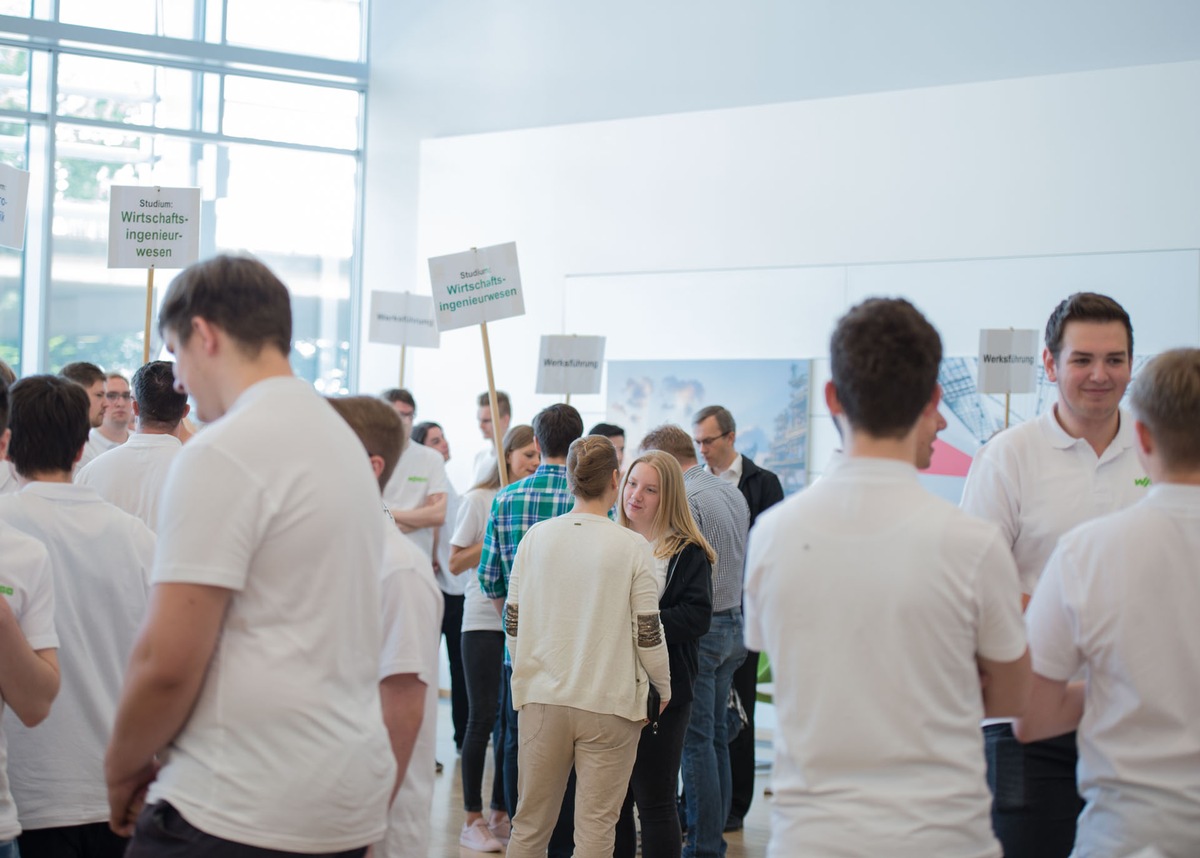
x,y
466,66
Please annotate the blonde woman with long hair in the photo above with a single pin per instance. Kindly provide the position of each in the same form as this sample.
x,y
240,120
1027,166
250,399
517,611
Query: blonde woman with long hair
x,y
653,502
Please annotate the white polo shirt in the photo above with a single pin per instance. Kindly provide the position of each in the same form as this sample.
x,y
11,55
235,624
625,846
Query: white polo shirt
x,y
421,472
285,748
1037,482
133,476
8,478
450,584
100,559
26,582
1120,597
93,447
479,614
412,624
872,598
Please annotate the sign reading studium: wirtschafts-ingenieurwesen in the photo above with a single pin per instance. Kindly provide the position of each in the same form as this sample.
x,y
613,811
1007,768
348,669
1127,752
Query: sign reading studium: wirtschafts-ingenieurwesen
x,y
153,227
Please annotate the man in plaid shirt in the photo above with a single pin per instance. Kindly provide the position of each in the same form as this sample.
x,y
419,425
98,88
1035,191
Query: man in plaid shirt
x,y
516,508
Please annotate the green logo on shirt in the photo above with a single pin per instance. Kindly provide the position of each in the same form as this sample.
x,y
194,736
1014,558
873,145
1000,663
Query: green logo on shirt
x,y
1143,482
418,479
7,591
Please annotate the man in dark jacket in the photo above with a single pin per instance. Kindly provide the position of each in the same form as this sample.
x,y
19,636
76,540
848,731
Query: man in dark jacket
x,y
714,430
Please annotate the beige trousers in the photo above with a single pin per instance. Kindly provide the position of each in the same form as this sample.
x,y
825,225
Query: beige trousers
x,y
552,739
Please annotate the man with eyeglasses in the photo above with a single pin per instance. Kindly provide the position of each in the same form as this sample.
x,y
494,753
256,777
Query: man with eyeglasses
x,y
113,430
715,433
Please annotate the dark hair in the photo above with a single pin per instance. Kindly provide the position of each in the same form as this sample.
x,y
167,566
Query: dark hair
x,y
672,440
555,427
3,403
608,430
1085,307
377,425
49,420
422,429
237,294
725,420
591,461
6,373
83,373
399,394
1166,397
502,403
159,404
884,358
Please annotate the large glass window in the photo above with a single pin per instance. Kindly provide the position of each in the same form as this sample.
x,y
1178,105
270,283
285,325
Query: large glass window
x,y
275,152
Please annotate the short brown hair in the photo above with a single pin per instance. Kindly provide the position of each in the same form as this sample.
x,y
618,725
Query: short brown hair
x,y
6,373
377,425
1085,307
49,421
239,295
725,421
555,427
502,403
1166,398
884,360
399,394
160,405
82,373
670,439
591,462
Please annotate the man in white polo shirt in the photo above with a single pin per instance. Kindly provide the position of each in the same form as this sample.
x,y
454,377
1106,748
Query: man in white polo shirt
x,y
416,493
100,560
892,621
1120,597
29,666
253,683
1037,481
132,476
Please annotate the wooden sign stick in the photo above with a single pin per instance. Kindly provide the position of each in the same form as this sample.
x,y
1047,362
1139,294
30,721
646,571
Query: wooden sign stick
x,y
149,313
487,359
403,352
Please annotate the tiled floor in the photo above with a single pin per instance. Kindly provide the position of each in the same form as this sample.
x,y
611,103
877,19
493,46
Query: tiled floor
x,y
447,816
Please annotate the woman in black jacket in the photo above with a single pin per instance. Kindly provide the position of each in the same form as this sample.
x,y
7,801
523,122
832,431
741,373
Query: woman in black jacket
x,y
653,502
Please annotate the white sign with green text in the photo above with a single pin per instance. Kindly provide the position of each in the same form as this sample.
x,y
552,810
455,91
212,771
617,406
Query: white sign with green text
x,y
14,198
570,364
153,227
1008,360
402,319
479,285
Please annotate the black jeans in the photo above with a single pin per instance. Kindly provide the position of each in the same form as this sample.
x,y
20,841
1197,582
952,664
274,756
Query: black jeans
x,y
483,663
452,619
162,831
653,785
95,840
1035,802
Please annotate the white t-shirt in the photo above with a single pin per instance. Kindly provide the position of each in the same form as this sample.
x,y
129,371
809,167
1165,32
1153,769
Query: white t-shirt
x,y
132,478
100,559
93,447
1037,482
450,584
412,624
484,464
872,598
1120,597
26,582
285,748
8,478
421,472
479,614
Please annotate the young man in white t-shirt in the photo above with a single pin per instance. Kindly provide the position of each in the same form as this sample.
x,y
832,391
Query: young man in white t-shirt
x,y
408,664
250,722
1037,481
892,621
100,561
29,675
1119,599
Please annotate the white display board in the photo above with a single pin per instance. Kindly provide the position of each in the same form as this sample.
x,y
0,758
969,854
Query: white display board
x,y
14,199
570,364
402,319
479,285
1008,360
153,227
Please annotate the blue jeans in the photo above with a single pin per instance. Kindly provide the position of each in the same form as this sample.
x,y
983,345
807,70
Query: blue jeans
x,y
8,849
706,779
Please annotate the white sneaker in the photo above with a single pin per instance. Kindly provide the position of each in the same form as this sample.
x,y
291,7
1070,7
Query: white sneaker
x,y
478,838
502,830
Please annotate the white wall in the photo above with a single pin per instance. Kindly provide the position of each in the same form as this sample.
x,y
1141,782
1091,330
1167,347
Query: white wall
x,y
1095,162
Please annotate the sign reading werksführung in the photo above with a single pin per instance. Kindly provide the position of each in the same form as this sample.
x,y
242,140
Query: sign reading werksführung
x,y
153,227
402,319
1008,360
14,198
479,285
570,364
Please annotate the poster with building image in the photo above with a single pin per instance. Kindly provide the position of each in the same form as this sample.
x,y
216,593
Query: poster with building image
x,y
769,400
